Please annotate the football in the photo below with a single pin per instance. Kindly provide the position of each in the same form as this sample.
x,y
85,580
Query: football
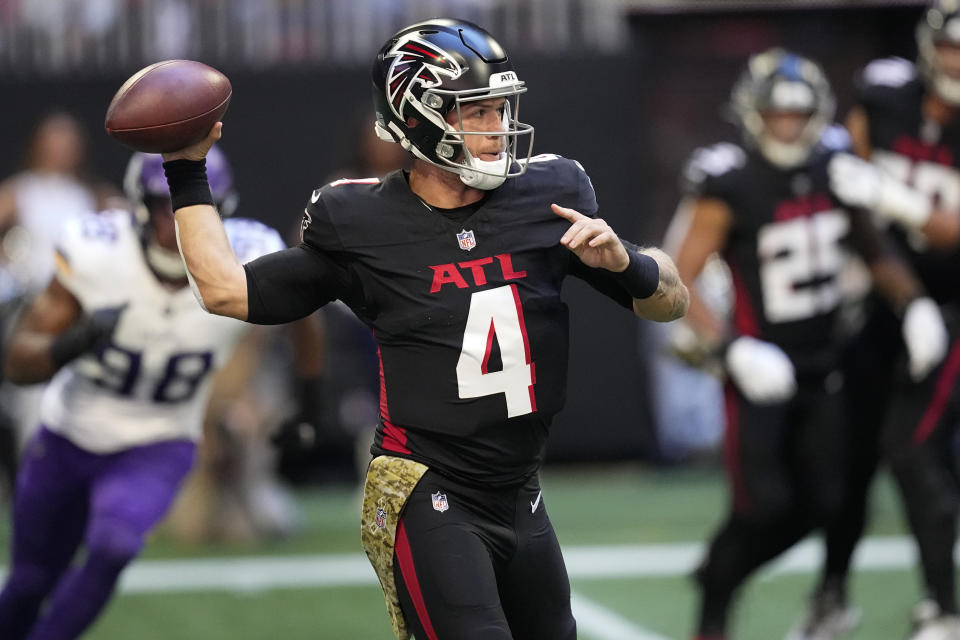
x,y
168,106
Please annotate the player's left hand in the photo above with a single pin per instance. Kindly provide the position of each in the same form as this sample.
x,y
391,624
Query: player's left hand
x,y
593,241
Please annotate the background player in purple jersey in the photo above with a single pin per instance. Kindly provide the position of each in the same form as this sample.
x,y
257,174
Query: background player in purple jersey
x,y
906,124
130,355
456,266
767,209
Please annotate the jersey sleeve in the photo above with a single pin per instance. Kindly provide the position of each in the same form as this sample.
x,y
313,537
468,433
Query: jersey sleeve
x,y
711,172
317,229
287,285
586,196
88,247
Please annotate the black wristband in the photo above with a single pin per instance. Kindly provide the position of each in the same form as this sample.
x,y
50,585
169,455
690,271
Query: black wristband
x,y
641,277
188,184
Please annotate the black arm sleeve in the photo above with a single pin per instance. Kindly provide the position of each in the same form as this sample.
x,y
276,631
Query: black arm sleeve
x,y
291,284
604,281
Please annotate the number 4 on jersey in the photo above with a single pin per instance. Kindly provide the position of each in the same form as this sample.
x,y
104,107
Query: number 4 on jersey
x,y
497,314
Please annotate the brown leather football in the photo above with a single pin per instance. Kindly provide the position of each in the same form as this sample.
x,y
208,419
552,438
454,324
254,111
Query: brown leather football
x,y
168,106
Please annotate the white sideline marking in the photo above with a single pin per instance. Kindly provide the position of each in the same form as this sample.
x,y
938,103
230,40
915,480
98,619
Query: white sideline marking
x,y
246,574
603,624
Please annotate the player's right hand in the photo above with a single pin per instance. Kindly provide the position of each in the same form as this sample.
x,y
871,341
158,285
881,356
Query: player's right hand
x,y
198,150
761,370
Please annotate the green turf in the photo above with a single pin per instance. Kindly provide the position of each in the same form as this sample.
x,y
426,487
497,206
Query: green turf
x,y
588,506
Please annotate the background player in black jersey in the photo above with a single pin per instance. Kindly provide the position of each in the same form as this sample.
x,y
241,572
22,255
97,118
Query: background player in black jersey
x,y
457,267
906,123
767,209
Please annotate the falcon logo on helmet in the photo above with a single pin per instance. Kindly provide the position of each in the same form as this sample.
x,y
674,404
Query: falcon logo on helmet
x,y
416,61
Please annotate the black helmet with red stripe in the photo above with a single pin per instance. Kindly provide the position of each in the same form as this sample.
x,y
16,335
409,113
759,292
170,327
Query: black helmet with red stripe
x,y
428,70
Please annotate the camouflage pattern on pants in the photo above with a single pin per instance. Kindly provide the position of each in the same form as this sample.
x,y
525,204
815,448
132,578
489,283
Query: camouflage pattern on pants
x,y
389,482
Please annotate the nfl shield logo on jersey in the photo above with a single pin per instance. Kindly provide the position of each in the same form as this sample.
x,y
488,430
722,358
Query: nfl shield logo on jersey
x,y
440,501
381,518
466,239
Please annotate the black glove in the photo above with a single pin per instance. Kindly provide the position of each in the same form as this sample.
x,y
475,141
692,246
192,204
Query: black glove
x,y
89,334
302,431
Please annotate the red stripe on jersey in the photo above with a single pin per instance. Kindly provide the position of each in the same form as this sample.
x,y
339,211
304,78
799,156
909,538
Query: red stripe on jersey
x,y
409,573
731,449
526,343
941,395
744,315
394,437
533,381
486,354
523,324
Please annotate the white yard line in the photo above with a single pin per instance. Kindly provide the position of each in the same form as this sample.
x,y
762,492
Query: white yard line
x,y
601,623
583,563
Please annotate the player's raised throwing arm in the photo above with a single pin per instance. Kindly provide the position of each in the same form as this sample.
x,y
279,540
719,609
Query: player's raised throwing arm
x,y
276,288
217,277
649,275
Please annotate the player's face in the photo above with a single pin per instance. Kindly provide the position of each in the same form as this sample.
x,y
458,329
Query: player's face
x,y
785,126
483,115
948,59
161,219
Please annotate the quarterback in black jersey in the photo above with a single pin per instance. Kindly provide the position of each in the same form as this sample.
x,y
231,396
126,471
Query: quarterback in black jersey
x,y
768,210
456,266
905,129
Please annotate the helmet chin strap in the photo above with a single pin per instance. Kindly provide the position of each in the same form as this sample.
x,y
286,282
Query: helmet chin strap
x,y
165,263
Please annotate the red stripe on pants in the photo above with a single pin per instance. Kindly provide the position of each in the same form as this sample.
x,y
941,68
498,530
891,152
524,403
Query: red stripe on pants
x,y
405,560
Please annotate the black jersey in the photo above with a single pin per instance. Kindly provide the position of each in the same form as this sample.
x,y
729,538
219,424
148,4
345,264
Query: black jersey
x,y
918,152
471,331
786,247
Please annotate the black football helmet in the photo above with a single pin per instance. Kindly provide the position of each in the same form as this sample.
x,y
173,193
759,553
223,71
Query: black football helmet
x,y
777,80
428,70
940,24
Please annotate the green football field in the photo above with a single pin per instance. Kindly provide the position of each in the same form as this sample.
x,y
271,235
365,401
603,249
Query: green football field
x,y
630,537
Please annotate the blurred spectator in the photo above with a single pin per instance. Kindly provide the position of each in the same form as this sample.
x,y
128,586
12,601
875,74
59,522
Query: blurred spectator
x,y
54,186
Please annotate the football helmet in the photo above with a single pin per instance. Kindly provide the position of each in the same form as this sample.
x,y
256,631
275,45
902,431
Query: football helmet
x,y
940,24
430,69
777,80
145,185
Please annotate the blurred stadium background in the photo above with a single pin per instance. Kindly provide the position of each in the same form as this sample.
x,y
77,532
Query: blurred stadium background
x,y
627,87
